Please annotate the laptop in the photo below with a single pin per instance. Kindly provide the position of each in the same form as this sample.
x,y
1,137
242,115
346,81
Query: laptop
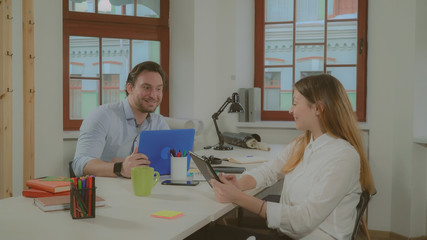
x,y
156,144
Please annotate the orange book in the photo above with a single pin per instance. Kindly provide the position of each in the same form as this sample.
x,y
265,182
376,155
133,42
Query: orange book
x,y
50,184
35,193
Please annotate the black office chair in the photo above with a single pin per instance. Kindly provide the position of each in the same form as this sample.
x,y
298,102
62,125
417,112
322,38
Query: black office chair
x,y
70,169
365,197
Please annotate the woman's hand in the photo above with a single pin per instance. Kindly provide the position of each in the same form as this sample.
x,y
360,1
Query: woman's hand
x,y
228,190
231,178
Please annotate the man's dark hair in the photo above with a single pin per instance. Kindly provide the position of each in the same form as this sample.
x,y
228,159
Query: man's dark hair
x,y
146,66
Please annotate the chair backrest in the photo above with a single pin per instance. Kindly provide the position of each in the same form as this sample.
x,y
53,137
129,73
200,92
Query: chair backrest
x,y
70,168
365,197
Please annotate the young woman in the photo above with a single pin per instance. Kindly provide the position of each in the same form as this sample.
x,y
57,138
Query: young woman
x,y
324,170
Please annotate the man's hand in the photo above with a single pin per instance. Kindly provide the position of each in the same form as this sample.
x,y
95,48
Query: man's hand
x,y
134,160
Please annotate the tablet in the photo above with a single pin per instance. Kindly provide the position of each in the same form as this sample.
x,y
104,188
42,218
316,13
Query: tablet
x,y
157,144
204,167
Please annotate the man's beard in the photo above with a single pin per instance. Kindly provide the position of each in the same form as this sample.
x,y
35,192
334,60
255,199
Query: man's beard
x,y
143,109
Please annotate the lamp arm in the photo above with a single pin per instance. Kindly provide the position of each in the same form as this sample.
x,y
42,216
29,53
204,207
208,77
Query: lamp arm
x,y
221,109
215,117
220,136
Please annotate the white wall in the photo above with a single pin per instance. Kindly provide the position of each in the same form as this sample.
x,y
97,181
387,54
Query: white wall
x,y
48,85
420,98
203,60
388,51
212,56
420,121
398,163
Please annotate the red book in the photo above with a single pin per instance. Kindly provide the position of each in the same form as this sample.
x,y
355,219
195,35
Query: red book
x,y
35,193
50,184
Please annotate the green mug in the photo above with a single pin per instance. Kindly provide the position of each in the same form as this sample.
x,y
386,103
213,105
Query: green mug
x,y
143,180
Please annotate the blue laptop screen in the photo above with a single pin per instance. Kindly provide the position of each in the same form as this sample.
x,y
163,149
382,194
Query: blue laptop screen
x,y
156,144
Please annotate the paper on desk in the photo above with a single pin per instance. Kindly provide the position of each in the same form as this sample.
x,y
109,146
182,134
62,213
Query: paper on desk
x,y
262,146
254,144
247,159
196,174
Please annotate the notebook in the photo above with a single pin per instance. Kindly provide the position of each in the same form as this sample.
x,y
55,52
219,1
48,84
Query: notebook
x,y
156,144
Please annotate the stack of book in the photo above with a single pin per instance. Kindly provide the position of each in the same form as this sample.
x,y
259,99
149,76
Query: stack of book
x,y
52,193
47,187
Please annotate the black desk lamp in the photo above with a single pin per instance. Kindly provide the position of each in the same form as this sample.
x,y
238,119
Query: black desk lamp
x,y
234,108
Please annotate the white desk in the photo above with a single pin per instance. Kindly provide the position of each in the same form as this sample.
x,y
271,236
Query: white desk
x,y
242,152
125,215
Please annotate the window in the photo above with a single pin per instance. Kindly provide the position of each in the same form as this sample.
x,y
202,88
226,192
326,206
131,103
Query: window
x,y
102,41
298,38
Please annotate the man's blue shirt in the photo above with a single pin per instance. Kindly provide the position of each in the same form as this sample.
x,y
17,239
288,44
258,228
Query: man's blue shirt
x,y
111,131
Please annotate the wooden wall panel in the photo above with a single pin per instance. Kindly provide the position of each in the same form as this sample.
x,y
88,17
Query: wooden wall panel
x,y
6,91
28,87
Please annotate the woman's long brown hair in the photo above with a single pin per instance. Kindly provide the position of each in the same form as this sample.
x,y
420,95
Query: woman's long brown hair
x,y
337,119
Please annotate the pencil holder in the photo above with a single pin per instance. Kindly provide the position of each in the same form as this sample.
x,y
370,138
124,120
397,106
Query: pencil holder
x,y
82,198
